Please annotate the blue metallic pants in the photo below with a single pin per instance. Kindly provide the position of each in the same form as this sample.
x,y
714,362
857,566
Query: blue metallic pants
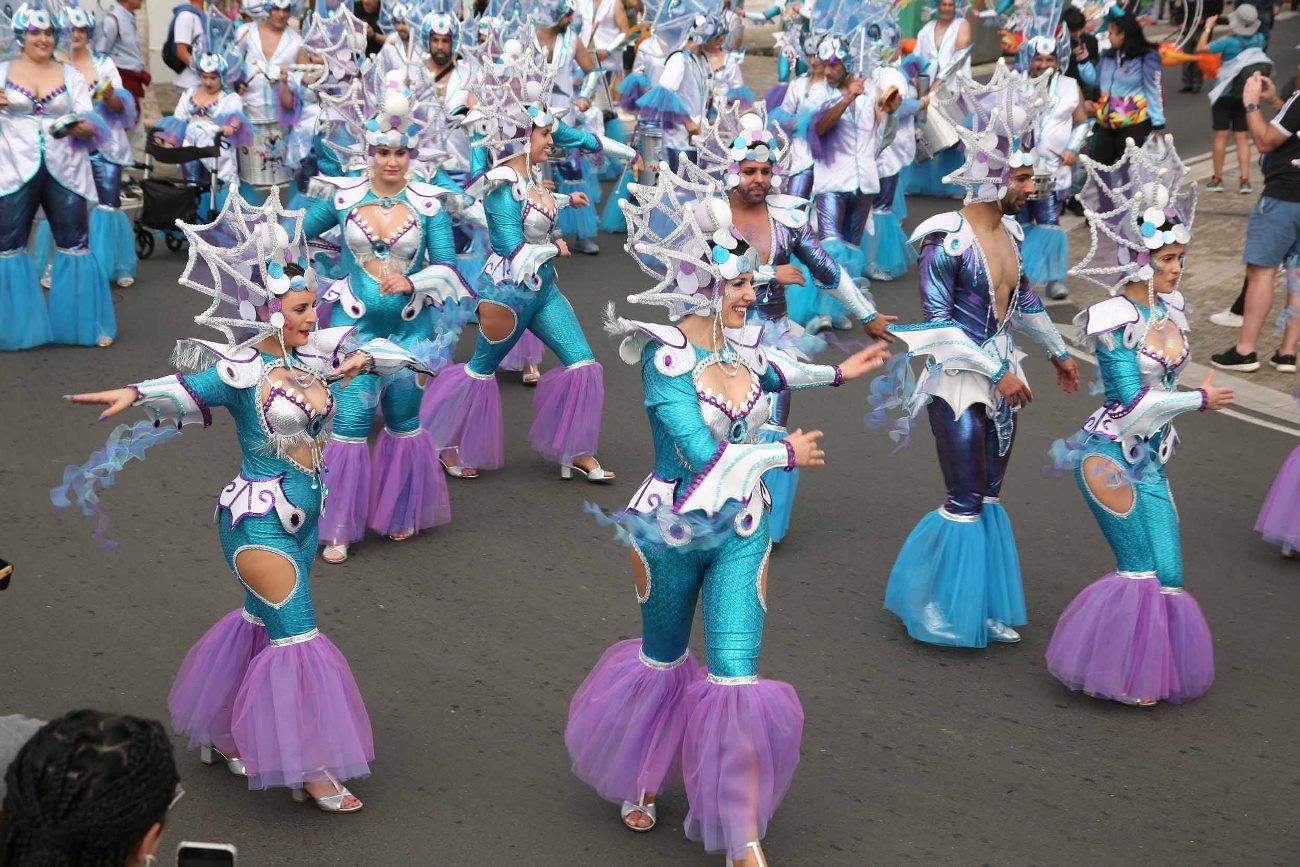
x,y
1146,537
800,183
65,210
108,181
883,201
968,456
842,216
729,577
549,315
1042,212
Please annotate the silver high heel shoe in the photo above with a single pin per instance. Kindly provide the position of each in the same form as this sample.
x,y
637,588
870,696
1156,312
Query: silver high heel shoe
x,y
597,475
999,631
629,808
329,803
210,755
758,851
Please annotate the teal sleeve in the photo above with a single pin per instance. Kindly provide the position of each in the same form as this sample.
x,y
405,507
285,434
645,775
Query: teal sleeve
x,y
505,219
673,403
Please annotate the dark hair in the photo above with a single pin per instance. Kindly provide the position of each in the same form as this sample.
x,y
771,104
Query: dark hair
x,y
1135,40
1073,18
84,790
293,269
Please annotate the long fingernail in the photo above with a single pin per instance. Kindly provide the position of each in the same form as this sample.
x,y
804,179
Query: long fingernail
x,y
103,415
67,397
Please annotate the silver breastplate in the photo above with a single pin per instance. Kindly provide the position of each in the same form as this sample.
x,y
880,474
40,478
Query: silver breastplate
x,y
537,223
735,424
399,248
54,105
289,413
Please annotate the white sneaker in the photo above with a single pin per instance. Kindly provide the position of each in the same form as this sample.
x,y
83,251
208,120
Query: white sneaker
x,y
876,273
819,323
586,246
1227,319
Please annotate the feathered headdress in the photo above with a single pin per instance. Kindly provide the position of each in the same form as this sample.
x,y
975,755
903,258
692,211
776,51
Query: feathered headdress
x,y
738,134
679,231
999,138
1134,207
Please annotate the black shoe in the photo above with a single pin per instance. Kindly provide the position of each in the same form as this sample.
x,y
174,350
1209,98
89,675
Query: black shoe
x,y
6,572
1284,363
1231,359
1074,206
1186,88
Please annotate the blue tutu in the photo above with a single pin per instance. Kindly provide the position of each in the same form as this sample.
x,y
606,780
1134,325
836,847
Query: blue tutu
x,y
24,318
615,130
112,241
612,219
900,193
886,247
574,221
782,485
953,575
926,179
803,302
42,247
1046,254
81,304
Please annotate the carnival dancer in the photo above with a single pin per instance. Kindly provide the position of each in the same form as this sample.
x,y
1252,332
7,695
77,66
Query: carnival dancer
x,y
844,140
48,128
514,130
1136,636
201,113
567,53
1046,250
746,157
728,68
112,240
391,222
794,113
336,40
698,526
1279,517
264,691
943,46
957,579
608,38
678,103
400,48
268,48
796,25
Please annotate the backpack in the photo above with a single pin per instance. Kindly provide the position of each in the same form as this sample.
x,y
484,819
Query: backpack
x,y
169,56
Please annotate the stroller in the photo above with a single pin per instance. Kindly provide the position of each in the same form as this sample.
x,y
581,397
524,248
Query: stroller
x,y
166,201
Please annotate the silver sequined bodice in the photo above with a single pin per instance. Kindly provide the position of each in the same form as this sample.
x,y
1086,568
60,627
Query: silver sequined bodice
x,y
729,423
399,248
537,223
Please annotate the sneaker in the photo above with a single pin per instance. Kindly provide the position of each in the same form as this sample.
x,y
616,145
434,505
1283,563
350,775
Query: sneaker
x,y
1284,363
1227,319
1231,359
1246,188
586,246
1215,184
878,274
1056,291
842,323
819,323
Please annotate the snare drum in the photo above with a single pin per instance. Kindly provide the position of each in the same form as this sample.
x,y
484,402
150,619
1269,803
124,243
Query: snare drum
x,y
261,163
938,134
1044,186
651,148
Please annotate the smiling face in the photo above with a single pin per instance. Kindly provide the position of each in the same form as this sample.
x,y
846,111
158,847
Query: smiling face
x,y
211,82
299,309
1020,186
79,38
403,30
738,294
1167,263
1041,63
755,181
390,163
278,18
539,145
38,45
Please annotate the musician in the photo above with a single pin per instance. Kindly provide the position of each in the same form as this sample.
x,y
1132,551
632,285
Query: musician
x,y
943,47
267,50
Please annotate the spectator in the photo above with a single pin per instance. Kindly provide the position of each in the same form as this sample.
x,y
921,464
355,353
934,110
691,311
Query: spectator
x,y
15,730
368,12
1267,10
89,789
1077,24
1129,75
119,38
189,33
1273,233
1242,52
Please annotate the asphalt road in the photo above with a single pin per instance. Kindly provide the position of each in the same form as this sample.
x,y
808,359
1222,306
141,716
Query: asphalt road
x,y
468,641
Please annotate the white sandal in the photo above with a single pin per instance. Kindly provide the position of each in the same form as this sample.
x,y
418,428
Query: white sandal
x,y
334,553
210,755
758,850
629,808
330,803
596,475
458,472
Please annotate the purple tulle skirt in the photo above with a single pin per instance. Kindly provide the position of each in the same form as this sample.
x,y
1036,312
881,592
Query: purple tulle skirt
x,y
299,713
463,412
202,698
738,758
1123,639
1279,519
626,723
528,350
568,406
347,486
409,492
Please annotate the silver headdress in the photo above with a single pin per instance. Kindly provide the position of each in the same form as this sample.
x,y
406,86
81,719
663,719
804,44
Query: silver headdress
x,y
238,261
1004,117
339,39
1133,208
378,109
1039,22
679,231
513,93
738,134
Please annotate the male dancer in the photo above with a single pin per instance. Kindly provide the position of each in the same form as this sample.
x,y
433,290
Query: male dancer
x,y
957,579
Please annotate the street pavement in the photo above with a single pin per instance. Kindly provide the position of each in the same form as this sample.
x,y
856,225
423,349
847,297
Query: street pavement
x,y
468,641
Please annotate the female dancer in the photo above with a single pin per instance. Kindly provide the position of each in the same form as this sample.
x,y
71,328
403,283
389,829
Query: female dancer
x,y
943,47
1136,636
391,224
112,241
202,112
47,129
264,690
1132,103
462,409
700,525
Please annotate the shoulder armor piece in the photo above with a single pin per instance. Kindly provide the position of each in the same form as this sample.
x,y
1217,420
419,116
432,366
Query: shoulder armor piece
x,y
958,235
1109,315
789,211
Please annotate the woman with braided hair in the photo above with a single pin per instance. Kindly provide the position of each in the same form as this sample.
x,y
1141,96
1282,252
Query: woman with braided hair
x,y
90,789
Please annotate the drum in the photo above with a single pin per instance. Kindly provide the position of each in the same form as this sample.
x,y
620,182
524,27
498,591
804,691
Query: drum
x,y
938,134
651,147
261,163
1044,186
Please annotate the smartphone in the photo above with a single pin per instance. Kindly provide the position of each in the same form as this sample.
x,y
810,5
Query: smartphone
x,y
190,854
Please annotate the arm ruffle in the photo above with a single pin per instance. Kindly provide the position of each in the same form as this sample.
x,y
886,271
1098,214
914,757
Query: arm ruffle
x,y
632,88
741,94
244,130
821,146
171,129
662,106
98,137
127,117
